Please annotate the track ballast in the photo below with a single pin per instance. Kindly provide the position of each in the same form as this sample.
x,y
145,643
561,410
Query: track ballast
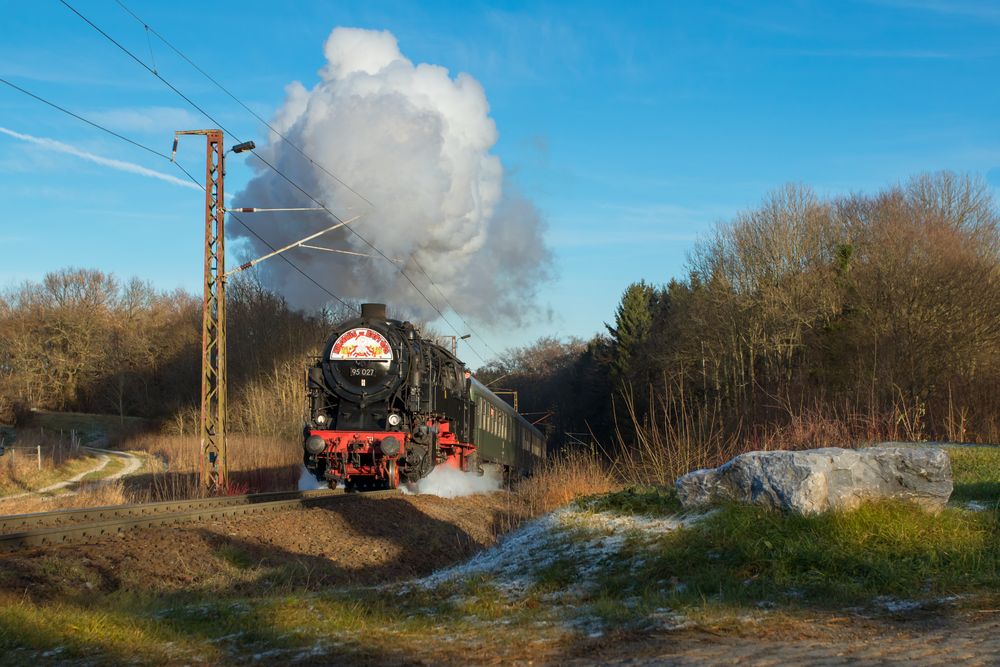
x,y
42,529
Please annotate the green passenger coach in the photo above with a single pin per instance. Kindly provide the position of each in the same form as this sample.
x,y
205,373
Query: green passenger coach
x,y
502,436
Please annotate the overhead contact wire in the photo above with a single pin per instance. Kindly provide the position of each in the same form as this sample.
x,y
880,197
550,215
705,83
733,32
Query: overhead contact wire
x,y
253,113
179,166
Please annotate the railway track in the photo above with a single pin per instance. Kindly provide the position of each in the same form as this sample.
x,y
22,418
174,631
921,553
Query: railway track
x,y
41,529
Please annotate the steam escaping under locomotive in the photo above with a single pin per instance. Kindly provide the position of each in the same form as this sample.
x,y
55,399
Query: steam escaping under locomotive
x,y
386,405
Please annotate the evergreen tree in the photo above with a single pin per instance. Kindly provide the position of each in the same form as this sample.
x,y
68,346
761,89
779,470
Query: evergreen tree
x,y
633,323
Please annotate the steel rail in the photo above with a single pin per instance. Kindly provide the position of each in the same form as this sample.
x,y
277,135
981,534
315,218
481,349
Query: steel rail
x,y
19,522
73,526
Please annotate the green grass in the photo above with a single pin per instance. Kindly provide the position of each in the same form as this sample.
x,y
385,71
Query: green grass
x,y
559,574
645,500
746,555
356,626
976,473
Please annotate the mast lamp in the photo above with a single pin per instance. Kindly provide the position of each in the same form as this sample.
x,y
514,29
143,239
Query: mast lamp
x,y
245,146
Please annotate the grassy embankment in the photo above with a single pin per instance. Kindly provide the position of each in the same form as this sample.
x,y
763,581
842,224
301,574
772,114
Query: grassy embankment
x,y
736,566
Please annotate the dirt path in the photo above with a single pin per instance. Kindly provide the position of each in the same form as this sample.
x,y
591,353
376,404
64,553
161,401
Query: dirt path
x,y
102,462
966,638
71,486
132,463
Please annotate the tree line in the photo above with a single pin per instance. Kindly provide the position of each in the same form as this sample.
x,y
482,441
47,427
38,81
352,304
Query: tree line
x,y
82,340
878,314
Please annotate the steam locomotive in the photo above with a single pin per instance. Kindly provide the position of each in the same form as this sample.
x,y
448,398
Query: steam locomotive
x,y
386,405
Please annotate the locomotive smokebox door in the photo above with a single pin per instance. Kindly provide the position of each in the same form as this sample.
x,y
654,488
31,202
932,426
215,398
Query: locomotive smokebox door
x,y
361,361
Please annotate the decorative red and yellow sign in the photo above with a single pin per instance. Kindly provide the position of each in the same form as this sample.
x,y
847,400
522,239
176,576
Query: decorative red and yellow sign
x,y
361,343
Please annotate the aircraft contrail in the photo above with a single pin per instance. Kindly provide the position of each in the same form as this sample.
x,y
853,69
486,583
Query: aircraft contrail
x,y
120,165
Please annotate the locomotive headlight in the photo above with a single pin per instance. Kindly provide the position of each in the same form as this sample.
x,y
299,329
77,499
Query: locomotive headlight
x,y
315,444
390,446
394,419
320,419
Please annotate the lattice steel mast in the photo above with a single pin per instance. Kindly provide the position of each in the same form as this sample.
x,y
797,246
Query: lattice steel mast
x,y
214,467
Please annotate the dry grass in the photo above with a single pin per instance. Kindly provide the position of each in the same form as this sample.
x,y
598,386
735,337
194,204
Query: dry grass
x,y
562,479
677,436
62,457
256,464
272,403
670,442
89,495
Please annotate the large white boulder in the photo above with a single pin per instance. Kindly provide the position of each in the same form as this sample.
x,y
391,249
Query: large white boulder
x,y
817,480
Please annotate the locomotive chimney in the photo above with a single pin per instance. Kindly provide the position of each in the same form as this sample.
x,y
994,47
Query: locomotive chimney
x,y
373,311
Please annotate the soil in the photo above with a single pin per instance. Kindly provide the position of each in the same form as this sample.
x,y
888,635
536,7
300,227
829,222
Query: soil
x,y
968,638
355,540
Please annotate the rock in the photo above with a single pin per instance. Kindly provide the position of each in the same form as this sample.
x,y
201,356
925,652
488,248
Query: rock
x,y
817,480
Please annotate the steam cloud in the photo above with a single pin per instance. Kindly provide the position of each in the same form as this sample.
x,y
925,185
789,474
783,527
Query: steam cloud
x,y
416,142
308,481
448,482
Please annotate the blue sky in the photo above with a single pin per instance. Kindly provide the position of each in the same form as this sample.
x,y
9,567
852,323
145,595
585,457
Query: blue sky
x,y
633,127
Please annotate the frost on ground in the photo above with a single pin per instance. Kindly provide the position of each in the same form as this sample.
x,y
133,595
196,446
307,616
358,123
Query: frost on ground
x,y
899,606
590,543
449,482
977,506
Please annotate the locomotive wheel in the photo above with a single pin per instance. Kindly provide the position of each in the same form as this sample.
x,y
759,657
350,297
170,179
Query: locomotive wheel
x,y
332,484
393,481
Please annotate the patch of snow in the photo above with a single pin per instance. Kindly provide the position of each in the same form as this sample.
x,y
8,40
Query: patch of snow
x,y
317,650
263,655
895,605
591,541
668,619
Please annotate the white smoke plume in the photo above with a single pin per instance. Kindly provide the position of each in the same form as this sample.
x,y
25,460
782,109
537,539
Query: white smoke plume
x,y
416,143
450,482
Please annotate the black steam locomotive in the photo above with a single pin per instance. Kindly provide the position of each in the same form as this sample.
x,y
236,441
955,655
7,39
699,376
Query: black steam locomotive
x,y
387,405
